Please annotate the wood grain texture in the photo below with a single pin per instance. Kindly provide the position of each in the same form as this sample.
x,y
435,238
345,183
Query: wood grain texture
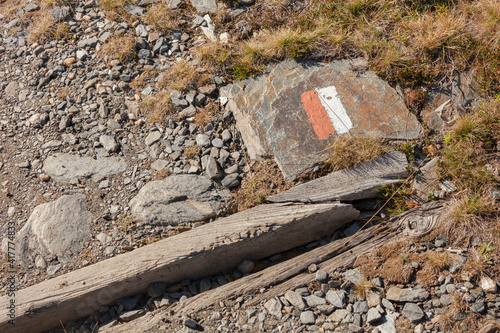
x,y
253,234
360,182
291,274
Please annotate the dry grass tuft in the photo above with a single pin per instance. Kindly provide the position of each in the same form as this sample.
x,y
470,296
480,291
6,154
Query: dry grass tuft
x,y
161,18
191,152
115,9
205,116
348,151
263,180
158,107
180,76
121,48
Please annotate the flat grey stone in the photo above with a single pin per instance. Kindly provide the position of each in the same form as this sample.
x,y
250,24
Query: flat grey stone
x,y
274,307
204,5
307,318
246,266
57,228
60,13
478,307
178,199
342,316
372,316
313,301
413,312
360,307
129,303
397,294
152,137
336,298
231,181
354,276
285,115
109,143
89,42
67,167
159,165
156,289
131,315
295,299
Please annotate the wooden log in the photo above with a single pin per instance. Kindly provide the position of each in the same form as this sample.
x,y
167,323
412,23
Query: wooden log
x,y
360,182
253,234
291,274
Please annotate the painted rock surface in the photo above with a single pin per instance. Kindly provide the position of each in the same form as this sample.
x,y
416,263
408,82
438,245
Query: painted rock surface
x,y
296,111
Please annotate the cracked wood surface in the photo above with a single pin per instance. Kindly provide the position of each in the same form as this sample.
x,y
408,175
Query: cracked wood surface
x,y
356,183
253,234
291,274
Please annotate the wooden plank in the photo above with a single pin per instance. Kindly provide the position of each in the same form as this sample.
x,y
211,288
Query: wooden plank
x,y
293,273
360,182
253,234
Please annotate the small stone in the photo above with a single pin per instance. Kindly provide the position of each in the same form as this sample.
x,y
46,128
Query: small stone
x,y
373,299
156,289
387,304
446,299
52,269
188,322
312,268
44,177
360,307
372,316
407,295
231,180
413,312
321,276
69,61
478,307
274,307
354,276
152,138
342,316
336,298
109,143
217,143
488,285
295,299
313,301
246,266
307,318
131,315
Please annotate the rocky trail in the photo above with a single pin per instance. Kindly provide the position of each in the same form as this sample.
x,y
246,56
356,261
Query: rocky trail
x,y
94,189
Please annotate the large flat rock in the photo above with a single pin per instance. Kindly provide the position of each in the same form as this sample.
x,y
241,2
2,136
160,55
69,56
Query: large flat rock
x,y
68,167
57,228
178,199
296,111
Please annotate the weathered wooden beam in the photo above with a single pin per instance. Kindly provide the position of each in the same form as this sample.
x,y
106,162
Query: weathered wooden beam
x,y
293,273
253,234
360,182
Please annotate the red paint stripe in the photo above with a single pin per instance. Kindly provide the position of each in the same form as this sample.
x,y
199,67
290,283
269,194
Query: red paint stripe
x,y
318,117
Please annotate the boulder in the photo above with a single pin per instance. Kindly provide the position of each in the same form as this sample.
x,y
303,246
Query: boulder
x,y
178,199
57,228
297,110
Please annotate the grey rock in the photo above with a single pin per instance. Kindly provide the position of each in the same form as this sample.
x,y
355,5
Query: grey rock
x,y
446,299
129,303
413,312
397,294
213,169
231,181
31,7
205,285
82,55
40,262
141,31
152,138
274,307
55,229
478,307
53,269
159,165
313,301
156,289
173,4
88,43
336,298
144,54
203,140
295,299
109,143
68,167
131,315
354,276
135,10
60,13
360,307
307,318
372,316
321,276
178,199
188,322
217,143
204,5
246,266
342,316
387,304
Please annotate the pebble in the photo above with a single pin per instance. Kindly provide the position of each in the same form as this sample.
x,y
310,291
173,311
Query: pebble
x,y
307,318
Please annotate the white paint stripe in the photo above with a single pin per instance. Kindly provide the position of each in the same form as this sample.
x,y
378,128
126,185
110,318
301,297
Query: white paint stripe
x,y
334,109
